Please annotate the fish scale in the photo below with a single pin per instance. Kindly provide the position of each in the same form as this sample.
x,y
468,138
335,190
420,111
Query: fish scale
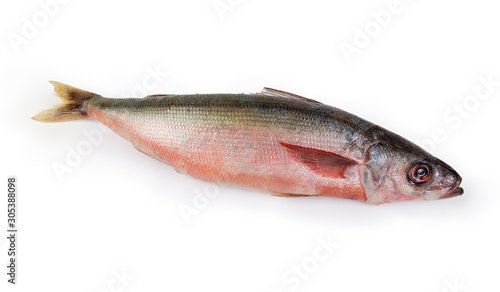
x,y
274,141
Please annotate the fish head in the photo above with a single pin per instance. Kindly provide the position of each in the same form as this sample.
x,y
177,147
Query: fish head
x,y
402,171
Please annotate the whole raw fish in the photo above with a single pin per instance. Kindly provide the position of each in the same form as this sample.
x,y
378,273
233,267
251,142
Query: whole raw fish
x,y
273,140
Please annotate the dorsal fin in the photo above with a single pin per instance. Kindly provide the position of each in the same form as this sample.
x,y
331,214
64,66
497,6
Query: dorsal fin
x,y
275,92
157,95
323,162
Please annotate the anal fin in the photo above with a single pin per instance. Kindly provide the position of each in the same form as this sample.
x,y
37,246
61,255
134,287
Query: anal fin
x,y
179,171
144,152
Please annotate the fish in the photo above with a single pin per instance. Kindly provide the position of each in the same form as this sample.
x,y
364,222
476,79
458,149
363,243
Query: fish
x,y
272,141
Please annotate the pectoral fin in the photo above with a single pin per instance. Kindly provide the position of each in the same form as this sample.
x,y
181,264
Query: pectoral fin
x,y
325,163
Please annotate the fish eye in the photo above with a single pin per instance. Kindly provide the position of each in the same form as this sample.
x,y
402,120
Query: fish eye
x,y
420,172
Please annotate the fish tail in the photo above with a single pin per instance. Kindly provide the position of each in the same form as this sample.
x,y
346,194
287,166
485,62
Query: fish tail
x,y
72,107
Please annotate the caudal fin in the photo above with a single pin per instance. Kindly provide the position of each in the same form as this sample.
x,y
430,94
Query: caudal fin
x,y
72,107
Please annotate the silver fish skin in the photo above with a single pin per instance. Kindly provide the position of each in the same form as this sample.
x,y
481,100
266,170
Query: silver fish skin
x,y
273,141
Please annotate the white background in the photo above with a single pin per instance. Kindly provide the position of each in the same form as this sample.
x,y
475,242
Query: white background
x,y
119,210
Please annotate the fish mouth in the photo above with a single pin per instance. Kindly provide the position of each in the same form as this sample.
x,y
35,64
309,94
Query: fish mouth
x,y
455,190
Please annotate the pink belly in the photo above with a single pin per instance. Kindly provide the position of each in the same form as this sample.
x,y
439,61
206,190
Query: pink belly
x,y
237,156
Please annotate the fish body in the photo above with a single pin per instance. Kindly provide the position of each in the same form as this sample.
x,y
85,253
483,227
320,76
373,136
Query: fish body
x,y
274,141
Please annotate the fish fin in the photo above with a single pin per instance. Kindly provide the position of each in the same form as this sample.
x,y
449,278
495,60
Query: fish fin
x,y
72,107
325,163
288,195
275,92
181,172
178,171
157,95
143,152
